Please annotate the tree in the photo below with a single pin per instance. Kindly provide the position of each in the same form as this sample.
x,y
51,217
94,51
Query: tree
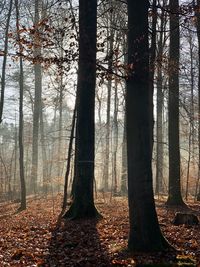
x,y
110,45
145,233
159,102
174,197
3,74
83,200
198,37
21,121
37,98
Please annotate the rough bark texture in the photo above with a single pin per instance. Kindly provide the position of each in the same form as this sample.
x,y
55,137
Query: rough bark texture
x,y
174,197
145,234
83,200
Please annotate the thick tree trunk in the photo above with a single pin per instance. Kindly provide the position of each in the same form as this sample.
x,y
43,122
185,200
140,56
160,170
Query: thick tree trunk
x,y
83,199
175,197
145,234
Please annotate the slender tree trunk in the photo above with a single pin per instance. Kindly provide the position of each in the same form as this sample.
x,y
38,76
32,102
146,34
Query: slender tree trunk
x,y
37,100
44,155
15,161
152,59
69,156
175,197
124,179
159,108
115,140
107,136
145,234
3,74
198,36
21,122
124,190
191,119
60,122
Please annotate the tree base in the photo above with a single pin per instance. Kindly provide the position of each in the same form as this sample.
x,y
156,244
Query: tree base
x,y
185,218
176,203
153,246
21,208
79,212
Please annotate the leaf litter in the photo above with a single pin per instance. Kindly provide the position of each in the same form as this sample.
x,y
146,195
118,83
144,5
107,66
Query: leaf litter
x,y
39,237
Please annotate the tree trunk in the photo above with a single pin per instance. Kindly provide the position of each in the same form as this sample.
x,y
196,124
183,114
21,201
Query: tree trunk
x,y
83,199
152,58
45,174
175,197
21,122
145,234
197,13
37,100
69,155
124,179
124,162
109,87
115,139
3,74
159,108
60,122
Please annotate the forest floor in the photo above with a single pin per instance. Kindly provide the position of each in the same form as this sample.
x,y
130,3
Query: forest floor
x,y
36,237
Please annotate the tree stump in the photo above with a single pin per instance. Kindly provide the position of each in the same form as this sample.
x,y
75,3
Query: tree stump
x,y
185,218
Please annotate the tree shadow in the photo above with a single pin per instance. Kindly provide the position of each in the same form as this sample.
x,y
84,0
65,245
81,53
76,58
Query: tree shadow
x,y
76,243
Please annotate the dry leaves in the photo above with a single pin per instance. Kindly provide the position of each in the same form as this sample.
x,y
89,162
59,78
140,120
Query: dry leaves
x,y
36,237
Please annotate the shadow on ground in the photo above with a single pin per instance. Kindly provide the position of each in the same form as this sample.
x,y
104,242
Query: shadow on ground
x,y
76,244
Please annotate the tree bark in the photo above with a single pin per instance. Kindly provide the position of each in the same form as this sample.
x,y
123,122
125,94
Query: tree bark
x,y
159,106
109,87
3,74
21,121
45,173
198,37
145,234
115,140
83,199
69,155
37,100
175,197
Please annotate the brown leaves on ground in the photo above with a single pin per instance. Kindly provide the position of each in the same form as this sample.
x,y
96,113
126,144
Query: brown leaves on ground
x,y
36,237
